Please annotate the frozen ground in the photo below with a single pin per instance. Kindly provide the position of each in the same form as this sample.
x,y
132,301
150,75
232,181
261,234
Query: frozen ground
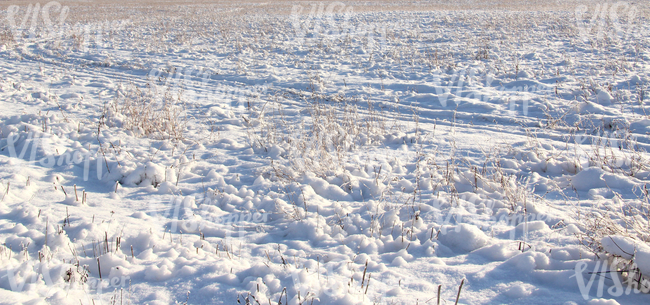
x,y
324,153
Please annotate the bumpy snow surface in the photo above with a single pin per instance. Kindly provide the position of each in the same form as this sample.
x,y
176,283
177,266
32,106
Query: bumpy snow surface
x,y
324,153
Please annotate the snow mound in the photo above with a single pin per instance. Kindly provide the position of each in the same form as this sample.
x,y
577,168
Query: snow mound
x,y
619,245
463,237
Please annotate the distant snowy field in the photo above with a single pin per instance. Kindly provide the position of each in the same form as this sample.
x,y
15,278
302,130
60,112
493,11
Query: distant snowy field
x,y
325,153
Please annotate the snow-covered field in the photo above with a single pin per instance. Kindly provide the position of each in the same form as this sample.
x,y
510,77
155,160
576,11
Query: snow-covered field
x,y
430,152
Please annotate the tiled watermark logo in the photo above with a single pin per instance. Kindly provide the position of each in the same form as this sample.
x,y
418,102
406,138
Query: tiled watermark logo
x,y
614,21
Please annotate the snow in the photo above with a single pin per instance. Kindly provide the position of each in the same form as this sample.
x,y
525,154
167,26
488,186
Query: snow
x,y
642,258
603,302
463,237
323,153
619,245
